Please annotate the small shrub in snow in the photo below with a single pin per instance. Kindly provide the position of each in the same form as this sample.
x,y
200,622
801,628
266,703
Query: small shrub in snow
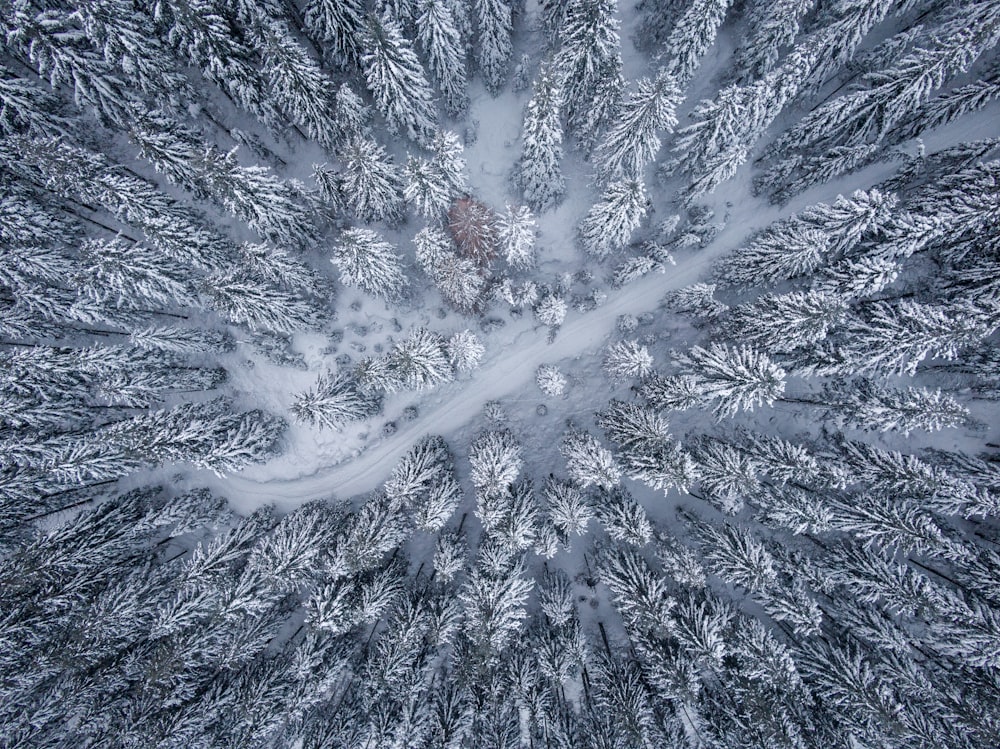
x,y
627,323
550,380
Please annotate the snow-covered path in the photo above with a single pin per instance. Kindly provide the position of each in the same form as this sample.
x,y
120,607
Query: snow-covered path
x,y
515,354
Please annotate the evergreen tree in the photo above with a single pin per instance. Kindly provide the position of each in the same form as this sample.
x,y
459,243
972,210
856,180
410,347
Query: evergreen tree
x,y
441,41
496,461
610,222
538,172
587,462
771,27
459,280
371,185
495,24
369,263
550,380
336,26
516,236
333,401
259,305
590,66
735,380
694,33
632,141
465,351
627,359
397,80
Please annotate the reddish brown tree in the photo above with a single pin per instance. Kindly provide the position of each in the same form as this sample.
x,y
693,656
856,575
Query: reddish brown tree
x,y
473,227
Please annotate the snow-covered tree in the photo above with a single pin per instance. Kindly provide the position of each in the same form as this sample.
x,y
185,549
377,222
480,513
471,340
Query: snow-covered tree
x,y
568,507
538,172
627,359
551,310
397,80
433,183
771,26
870,405
632,140
459,279
495,606
495,23
424,481
782,322
372,185
421,360
370,263
550,380
588,462
610,222
898,337
425,189
590,66
694,33
732,379
465,351
259,305
623,518
441,41
516,236
496,461
333,401
336,26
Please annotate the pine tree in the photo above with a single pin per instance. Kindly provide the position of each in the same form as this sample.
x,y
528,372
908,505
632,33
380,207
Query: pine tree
x,y
538,171
551,310
590,66
420,360
495,24
259,305
130,275
372,186
465,351
627,359
550,380
632,141
441,41
473,227
771,27
496,461
898,337
870,405
459,280
568,507
333,401
494,606
516,236
432,184
368,262
784,322
735,380
587,462
336,26
610,222
623,518
397,80
694,33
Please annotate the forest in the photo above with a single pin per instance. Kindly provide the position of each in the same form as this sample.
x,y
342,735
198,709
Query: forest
x,y
499,374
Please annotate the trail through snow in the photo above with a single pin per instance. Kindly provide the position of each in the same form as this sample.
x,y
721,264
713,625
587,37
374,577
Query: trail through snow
x,y
515,354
